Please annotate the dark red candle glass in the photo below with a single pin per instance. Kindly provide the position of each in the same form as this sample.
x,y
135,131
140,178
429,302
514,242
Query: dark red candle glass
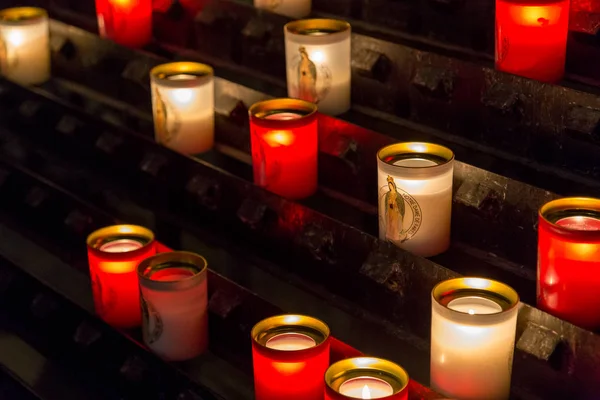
x,y
569,260
127,22
531,38
366,378
285,146
114,253
290,354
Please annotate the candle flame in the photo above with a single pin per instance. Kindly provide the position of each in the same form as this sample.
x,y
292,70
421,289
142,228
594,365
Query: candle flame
x,y
366,393
183,96
15,38
279,138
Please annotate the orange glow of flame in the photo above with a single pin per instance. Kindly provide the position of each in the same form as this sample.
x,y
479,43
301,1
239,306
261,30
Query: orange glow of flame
x,y
536,15
366,393
279,138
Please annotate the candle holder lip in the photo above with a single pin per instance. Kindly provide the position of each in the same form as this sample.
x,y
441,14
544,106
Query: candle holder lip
x,y
372,367
163,261
553,211
264,109
442,155
298,323
162,74
326,26
503,295
101,236
22,15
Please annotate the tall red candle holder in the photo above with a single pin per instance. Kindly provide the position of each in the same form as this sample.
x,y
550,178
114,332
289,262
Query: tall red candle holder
x,y
285,146
569,260
114,253
127,22
366,378
531,38
290,354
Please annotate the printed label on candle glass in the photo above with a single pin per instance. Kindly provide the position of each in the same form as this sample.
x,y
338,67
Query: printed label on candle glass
x,y
402,217
267,171
153,325
167,122
104,302
8,59
313,76
511,354
272,4
503,45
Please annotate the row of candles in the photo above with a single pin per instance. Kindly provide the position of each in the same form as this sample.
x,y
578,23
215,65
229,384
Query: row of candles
x,y
137,281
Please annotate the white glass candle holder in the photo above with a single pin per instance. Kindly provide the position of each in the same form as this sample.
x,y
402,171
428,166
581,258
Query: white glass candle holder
x,y
289,8
24,45
473,327
415,196
174,300
183,106
317,53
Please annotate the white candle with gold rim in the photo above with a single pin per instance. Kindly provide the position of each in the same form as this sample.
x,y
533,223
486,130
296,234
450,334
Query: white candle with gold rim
x,y
24,45
473,328
183,106
318,66
289,8
415,196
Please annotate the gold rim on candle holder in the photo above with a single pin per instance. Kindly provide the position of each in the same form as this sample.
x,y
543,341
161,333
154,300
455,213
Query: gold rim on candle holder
x,y
314,27
162,73
302,324
22,15
371,367
556,210
264,109
108,234
441,155
501,294
185,260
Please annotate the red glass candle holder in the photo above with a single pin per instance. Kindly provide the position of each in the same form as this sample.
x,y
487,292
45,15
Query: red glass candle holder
x,y
366,378
285,146
290,354
531,38
127,22
569,260
114,253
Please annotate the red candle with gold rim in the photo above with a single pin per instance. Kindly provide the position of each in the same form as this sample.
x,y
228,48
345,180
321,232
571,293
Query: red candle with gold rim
x,y
569,260
366,378
114,253
531,38
290,354
285,146
127,22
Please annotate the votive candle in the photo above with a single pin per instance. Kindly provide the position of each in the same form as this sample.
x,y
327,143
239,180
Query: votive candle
x,y
415,196
290,354
24,45
114,253
127,22
317,53
183,106
473,328
569,260
174,301
289,8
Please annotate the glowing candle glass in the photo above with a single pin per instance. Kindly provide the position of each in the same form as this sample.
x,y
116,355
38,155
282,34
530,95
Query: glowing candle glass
x,y
174,300
290,8
24,45
183,106
415,196
317,53
569,260
290,354
114,253
473,327
366,378
531,38
127,22
285,147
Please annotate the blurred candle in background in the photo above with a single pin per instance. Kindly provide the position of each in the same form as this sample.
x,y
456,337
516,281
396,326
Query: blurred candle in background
x,y
24,45
127,22
284,138
183,106
174,301
290,354
569,260
317,53
415,196
114,253
473,328
289,8
531,38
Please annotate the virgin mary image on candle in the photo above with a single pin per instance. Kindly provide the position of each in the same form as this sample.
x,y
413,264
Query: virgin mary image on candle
x,y
166,120
313,76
